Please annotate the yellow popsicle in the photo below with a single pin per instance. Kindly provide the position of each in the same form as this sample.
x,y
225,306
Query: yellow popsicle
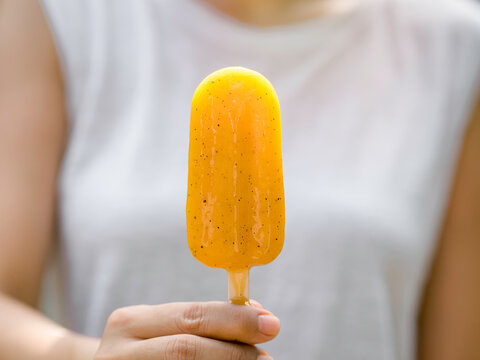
x,y
235,198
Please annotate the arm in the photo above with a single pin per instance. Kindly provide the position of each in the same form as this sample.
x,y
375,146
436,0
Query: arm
x,y
449,322
32,135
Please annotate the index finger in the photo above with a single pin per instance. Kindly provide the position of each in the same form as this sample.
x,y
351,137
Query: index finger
x,y
216,320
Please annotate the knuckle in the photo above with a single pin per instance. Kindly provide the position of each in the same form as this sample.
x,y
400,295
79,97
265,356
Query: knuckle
x,y
236,353
182,347
246,321
193,318
120,318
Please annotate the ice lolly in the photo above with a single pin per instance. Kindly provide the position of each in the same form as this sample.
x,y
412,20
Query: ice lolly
x,y
235,199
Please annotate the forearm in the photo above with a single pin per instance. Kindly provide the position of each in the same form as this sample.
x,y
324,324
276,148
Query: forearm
x,y
25,334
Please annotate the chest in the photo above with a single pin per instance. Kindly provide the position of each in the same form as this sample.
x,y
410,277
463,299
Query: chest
x,y
362,151
356,159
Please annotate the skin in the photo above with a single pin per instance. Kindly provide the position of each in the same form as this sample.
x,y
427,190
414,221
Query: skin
x,y
32,142
277,12
449,321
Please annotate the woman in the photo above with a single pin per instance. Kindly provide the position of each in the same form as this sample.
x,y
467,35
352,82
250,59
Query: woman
x,y
377,107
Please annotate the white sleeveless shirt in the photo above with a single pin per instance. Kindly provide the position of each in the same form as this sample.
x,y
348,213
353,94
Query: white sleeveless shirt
x,y
374,105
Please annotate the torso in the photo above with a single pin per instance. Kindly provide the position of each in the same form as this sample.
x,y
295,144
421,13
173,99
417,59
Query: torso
x,y
371,125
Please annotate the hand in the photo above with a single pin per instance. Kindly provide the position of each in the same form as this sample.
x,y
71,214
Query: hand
x,y
193,331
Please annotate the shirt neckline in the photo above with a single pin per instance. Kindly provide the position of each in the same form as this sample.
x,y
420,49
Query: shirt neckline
x,y
296,35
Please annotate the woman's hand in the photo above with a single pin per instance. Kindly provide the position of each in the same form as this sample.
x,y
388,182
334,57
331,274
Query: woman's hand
x,y
197,331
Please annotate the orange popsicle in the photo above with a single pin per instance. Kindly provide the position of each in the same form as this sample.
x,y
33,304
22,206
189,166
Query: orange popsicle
x,y
235,199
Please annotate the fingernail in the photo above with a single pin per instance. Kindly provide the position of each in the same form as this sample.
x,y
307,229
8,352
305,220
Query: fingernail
x,y
268,324
264,357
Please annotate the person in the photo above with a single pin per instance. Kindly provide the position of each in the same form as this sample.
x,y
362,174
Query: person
x,y
381,150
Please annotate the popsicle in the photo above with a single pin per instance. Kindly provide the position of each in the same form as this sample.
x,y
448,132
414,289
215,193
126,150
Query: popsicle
x,y
235,199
